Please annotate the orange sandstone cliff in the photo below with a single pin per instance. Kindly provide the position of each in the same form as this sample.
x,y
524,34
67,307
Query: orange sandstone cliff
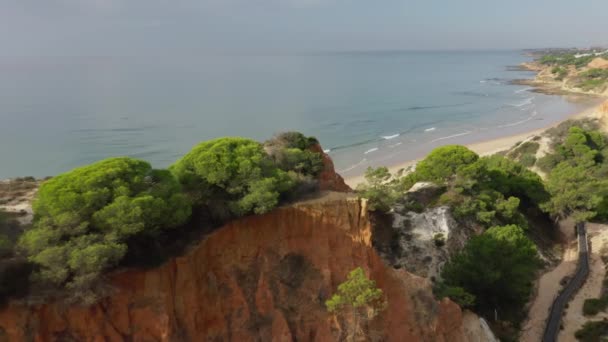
x,y
261,278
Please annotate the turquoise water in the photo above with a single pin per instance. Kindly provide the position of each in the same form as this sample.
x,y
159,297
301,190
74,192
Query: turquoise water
x,y
365,108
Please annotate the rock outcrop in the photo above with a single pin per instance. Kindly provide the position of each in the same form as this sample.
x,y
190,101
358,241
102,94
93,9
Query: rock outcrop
x,y
261,278
419,237
329,180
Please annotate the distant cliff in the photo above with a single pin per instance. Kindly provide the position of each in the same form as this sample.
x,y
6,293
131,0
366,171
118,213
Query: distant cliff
x,y
568,79
259,278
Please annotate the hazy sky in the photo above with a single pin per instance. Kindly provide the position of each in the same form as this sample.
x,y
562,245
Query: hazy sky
x,y
131,27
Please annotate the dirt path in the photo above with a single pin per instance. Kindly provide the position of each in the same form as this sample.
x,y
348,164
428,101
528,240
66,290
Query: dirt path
x,y
547,289
574,319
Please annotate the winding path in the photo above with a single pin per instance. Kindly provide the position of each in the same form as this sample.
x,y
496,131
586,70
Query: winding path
x,y
582,270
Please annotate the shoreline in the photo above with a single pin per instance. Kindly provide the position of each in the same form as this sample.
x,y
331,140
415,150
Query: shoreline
x,y
491,146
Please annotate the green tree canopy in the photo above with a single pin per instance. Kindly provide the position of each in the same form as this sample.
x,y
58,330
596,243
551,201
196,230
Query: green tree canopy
x,y
358,296
84,218
577,173
443,162
496,267
233,173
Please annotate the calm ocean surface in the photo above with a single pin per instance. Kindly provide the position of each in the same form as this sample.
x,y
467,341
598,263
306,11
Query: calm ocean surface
x,y
376,108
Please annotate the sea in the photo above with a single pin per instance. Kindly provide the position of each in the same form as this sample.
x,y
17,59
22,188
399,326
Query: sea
x,y
366,108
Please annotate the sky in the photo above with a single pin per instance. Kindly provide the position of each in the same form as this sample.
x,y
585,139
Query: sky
x,y
132,27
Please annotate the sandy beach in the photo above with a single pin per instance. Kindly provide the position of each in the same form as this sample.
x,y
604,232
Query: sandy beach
x,y
493,146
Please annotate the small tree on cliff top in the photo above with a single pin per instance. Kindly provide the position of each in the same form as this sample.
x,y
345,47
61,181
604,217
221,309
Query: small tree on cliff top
x,y
357,296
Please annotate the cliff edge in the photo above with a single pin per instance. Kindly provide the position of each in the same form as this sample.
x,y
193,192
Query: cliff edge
x,y
259,278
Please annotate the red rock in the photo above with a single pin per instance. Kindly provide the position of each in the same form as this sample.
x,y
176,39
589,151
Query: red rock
x,y
328,179
259,278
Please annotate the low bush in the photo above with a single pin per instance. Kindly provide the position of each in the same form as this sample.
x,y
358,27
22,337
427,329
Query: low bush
x,y
439,239
592,331
594,306
527,160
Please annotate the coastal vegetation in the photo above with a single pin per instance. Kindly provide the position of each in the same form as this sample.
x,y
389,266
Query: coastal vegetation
x,y
494,272
567,58
593,79
359,298
85,218
494,193
593,331
576,173
577,69
90,220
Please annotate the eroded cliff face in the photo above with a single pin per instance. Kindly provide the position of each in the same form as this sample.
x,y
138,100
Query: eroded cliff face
x,y
261,278
329,180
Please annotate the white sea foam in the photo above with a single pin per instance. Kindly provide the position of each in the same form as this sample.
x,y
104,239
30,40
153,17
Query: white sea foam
x,y
371,150
353,166
395,145
534,113
451,136
526,102
327,151
430,129
519,91
389,137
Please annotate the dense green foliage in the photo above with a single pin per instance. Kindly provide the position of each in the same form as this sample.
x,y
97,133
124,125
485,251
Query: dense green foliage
x,y
595,331
593,306
237,176
444,162
120,210
497,268
232,173
491,191
577,172
291,151
380,189
84,219
487,190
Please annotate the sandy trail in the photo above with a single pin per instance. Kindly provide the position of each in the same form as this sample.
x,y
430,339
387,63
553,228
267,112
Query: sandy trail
x,y
547,289
574,319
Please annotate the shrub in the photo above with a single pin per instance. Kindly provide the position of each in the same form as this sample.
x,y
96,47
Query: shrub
x,y
379,189
559,72
444,162
529,147
577,180
497,267
456,294
84,218
291,151
359,297
233,177
592,331
594,306
291,140
439,239
527,160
